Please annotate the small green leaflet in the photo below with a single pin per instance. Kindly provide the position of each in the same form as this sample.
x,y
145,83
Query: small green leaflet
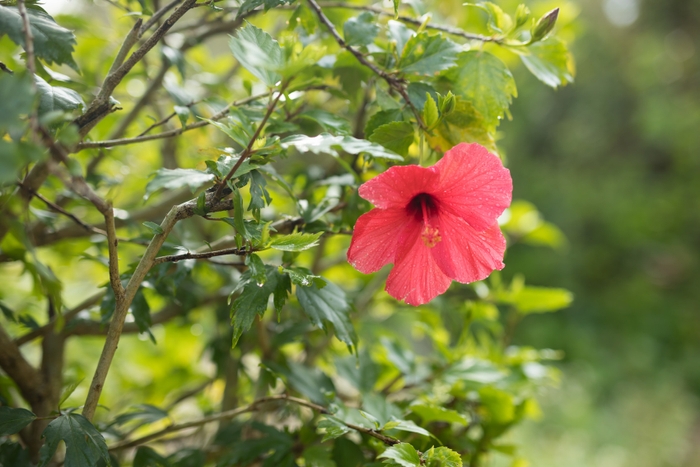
x,y
430,111
258,53
153,227
442,457
432,413
12,420
425,54
399,33
395,136
328,305
52,42
56,98
329,144
403,454
382,118
85,446
550,61
541,299
250,5
334,429
485,81
360,30
295,242
172,179
304,278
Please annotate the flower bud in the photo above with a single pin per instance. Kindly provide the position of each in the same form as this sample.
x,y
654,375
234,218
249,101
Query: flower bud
x,y
544,25
522,14
448,103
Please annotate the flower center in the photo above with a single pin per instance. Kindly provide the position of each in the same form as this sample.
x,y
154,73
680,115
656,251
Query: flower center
x,y
424,207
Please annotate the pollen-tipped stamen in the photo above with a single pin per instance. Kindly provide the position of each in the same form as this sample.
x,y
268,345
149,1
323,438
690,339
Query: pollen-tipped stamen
x,y
430,235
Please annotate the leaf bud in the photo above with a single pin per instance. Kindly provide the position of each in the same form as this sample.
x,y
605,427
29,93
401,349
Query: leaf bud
x,y
448,103
522,14
544,25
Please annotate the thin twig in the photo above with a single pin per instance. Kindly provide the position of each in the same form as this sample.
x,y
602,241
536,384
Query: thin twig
x,y
249,149
131,38
4,68
209,254
158,15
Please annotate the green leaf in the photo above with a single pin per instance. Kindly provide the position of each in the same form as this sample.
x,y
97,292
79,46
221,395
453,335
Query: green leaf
x,y
258,53
253,299
499,21
396,7
329,144
259,196
425,54
153,227
144,414
328,305
382,118
256,268
238,221
473,370
16,96
12,420
52,42
409,426
498,403
403,454
399,33
56,98
147,457
434,413
360,30
441,457
541,299
295,242
485,81
250,5
317,456
172,179
328,121
348,454
141,312
14,156
334,429
68,390
550,61
310,382
395,136
85,446
430,111
463,124
183,113
304,278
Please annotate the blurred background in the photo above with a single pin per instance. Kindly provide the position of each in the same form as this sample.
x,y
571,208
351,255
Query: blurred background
x,y
613,161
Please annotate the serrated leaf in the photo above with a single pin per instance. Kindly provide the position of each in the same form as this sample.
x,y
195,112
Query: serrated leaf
x,y
304,278
395,136
52,42
430,111
13,420
426,55
328,305
259,196
328,121
441,457
550,61
403,454
360,30
172,179
258,53
68,390
153,227
85,446
434,413
254,297
329,144
56,98
382,118
334,429
310,382
484,80
295,242
463,124
410,427
256,268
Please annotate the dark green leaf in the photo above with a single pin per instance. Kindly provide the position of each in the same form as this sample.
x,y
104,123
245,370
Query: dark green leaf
x,y
12,420
329,144
417,92
142,314
295,242
304,278
52,42
399,33
259,196
395,136
14,156
550,61
347,454
334,429
147,457
172,179
85,446
56,98
361,30
16,96
328,121
425,54
382,118
153,227
253,299
258,53
256,268
485,81
143,414
310,382
403,454
328,305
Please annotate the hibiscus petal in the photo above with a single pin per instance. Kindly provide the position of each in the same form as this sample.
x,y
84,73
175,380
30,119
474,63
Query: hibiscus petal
x,y
374,238
416,277
474,185
465,254
395,187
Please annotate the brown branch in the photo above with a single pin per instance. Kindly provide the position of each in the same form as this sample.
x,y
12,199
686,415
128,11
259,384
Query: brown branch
x,y
28,36
209,254
394,82
158,15
131,38
27,378
100,106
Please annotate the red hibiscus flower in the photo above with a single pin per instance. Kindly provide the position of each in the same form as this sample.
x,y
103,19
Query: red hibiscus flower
x,y
435,224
